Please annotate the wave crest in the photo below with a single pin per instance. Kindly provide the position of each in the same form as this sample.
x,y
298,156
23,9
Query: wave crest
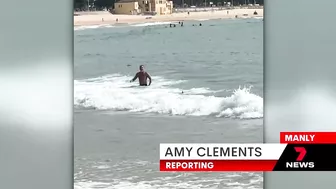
x,y
114,92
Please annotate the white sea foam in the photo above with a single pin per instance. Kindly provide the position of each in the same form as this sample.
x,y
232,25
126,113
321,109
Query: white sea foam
x,y
151,24
114,92
76,28
258,17
171,182
137,185
122,178
202,19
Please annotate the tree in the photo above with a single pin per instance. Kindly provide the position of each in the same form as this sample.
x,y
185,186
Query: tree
x,y
104,3
79,4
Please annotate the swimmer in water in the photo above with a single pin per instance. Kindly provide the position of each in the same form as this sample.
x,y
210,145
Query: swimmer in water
x,y
142,75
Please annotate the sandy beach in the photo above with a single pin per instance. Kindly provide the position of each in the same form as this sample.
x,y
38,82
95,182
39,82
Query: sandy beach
x,y
207,88
101,18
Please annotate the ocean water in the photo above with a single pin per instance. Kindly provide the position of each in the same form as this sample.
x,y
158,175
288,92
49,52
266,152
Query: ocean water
x,y
207,87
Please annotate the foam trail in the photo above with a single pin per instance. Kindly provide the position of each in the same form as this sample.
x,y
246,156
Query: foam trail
x,y
225,181
176,181
77,28
151,24
202,19
114,92
139,185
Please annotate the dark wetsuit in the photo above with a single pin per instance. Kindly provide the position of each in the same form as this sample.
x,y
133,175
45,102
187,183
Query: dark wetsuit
x,y
142,78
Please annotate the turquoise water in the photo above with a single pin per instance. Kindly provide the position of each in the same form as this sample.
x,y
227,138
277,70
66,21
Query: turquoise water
x,y
118,125
214,60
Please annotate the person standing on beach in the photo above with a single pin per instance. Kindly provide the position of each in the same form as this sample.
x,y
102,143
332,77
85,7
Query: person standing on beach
x,y
142,75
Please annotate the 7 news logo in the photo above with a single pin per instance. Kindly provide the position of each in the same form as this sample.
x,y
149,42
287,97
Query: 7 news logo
x,y
299,164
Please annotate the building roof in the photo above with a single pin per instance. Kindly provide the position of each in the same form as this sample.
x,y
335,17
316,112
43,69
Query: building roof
x,y
126,1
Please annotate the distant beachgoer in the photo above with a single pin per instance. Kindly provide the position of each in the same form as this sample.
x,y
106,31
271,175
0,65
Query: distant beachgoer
x,y
255,13
182,24
142,75
200,24
117,20
188,13
102,19
174,25
227,12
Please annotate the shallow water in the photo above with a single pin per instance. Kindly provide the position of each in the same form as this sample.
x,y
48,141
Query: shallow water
x,y
118,126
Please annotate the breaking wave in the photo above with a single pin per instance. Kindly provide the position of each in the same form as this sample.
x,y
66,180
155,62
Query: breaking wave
x,y
114,92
